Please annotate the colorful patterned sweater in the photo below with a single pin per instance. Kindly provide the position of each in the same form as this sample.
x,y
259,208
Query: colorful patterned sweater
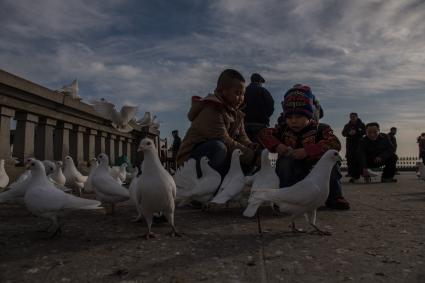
x,y
315,138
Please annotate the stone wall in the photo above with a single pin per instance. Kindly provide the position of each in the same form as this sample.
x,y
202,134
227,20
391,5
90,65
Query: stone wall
x,y
51,125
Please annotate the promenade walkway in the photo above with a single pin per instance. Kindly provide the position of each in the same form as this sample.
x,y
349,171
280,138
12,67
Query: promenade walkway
x,y
381,239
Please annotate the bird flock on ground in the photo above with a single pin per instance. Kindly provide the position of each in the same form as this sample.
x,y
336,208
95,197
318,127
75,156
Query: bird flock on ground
x,y
48,188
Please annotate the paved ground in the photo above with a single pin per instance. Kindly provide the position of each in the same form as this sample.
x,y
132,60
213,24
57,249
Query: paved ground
x,y
381,239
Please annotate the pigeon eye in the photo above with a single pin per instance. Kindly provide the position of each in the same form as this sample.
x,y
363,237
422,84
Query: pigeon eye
x,y
32,164
148,143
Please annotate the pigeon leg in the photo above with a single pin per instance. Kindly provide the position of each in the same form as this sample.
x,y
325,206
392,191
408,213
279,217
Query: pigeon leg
x,y
149,234
260,231
56,228
47,229
137,219
296,230
170,219
319,232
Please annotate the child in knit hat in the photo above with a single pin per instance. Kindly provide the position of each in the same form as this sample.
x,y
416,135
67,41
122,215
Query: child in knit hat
x,y
300,142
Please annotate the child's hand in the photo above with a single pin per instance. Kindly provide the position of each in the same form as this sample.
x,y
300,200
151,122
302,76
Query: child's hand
x,y
299,153
282,149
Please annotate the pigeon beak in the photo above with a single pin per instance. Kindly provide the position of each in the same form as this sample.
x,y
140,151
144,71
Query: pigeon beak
x,y
140,149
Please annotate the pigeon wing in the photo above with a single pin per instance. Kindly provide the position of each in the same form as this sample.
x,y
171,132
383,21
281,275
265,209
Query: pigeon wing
x,y
128,113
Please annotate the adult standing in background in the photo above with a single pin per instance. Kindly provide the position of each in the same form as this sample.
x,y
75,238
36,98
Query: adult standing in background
x,y
259,106
393,140
176,144
421,144
353,132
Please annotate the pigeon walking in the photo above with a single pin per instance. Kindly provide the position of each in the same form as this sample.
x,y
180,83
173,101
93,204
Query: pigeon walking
x,y
108,191
233,182
57,176
190,187
44,200
4,178
156,188
88,186
15,192
135,194
74,179
302,198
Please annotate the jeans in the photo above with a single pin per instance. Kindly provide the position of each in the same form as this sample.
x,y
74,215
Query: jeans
x,y
291,171
216,151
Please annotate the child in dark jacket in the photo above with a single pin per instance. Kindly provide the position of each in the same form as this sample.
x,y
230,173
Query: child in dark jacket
x,y
300,142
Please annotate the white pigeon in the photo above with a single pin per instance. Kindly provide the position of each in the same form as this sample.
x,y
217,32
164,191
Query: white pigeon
x,y
156,188
120,120
4,178
71,90
301,198
373,173
16,191
107,190
135,194
74,179
44,200
120,173
49,166
146,120
266,177
422,171
233,182
88,186
57,176
190,188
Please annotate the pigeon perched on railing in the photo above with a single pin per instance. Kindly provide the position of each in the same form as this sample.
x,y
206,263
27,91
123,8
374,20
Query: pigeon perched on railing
x,y
120,120
302,198
70,90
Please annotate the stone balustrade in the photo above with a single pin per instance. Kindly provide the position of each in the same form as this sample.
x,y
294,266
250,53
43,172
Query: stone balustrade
x,y
51,125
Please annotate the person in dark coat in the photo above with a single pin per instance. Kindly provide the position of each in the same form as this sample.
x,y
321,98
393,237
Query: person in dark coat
x,y
353,131
376,150
391,135
176,143
259,106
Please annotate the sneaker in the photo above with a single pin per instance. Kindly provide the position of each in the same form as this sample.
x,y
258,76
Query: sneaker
x,y
388,180
339,203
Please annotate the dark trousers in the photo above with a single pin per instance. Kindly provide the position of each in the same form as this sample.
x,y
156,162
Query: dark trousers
x,y
291,171
353,164
422,155
252,130
216,151
389,166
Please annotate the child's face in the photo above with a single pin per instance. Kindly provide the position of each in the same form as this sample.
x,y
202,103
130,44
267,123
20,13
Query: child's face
x,y
372,132
297,122
234,96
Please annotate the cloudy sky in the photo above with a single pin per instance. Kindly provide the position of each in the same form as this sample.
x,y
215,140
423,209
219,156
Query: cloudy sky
x,y
362,56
